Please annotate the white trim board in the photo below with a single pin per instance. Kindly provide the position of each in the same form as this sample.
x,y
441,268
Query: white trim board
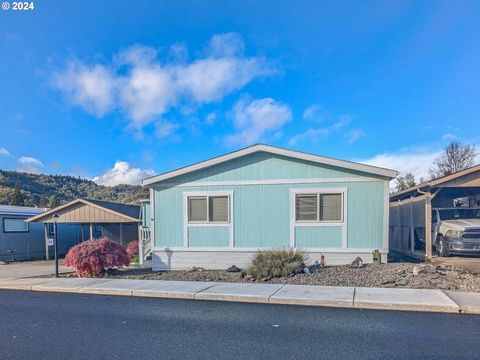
x,y
269,182
249,249
374,170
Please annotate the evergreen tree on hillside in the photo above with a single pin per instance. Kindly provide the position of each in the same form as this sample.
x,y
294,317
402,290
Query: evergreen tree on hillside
x,y
36,189
43,202
52,202
17,197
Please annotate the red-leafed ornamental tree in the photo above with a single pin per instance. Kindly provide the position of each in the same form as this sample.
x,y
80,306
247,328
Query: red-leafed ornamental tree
x,y
94,257
132,248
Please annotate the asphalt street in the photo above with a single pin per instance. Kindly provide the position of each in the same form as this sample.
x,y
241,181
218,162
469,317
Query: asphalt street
x,y
35,325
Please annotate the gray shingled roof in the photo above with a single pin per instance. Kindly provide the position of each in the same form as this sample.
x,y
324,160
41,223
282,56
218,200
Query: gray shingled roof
x,y
128,210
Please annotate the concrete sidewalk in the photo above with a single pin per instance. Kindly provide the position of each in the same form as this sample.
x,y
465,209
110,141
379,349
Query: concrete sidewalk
x,y
346,297
22,269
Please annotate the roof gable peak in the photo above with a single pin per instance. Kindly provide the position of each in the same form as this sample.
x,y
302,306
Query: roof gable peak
x,y
387,173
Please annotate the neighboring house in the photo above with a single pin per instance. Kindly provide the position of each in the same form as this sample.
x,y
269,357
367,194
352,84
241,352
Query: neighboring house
x,y
220,211
413,224
23,240
93,219
20,240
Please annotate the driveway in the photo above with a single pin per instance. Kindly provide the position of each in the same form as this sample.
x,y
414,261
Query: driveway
x,y
471,264
25,269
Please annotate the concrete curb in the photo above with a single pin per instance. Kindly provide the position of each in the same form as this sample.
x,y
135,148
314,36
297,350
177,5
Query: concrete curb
x,y
309,295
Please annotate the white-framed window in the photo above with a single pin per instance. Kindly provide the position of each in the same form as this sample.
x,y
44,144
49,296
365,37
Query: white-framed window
x,y
206,209
14,225
319,207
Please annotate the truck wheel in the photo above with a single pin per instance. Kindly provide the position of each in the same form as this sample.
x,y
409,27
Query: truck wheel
x,y
441,248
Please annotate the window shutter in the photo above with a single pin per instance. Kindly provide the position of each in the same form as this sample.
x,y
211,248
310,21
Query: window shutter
x,y
306,207
218,208
197,209
331,207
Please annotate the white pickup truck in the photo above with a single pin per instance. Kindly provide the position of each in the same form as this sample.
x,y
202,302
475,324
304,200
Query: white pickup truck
x,y
456,230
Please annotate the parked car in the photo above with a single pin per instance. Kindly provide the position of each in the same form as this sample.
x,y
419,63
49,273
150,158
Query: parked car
x,y
456,230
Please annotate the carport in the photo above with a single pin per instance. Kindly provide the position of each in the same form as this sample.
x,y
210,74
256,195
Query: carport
x,y
119,222
411,210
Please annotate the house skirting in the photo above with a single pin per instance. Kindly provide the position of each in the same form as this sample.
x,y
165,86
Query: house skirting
x,y
181,259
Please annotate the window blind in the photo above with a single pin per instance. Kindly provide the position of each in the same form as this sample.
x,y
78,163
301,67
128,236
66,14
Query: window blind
x,y
307,207
197,209
218,208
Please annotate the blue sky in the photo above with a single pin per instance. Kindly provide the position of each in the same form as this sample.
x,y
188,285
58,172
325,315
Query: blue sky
x,y
123,89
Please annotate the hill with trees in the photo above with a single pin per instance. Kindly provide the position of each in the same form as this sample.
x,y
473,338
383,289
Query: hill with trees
x,y
25,189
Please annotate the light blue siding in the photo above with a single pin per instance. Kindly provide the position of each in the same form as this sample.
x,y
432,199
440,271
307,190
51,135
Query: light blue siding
x,y
365,215
169,217
266,166
203,236
262,213
318,237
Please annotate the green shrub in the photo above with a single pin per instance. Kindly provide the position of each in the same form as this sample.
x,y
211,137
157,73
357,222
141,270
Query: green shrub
x,y
276,263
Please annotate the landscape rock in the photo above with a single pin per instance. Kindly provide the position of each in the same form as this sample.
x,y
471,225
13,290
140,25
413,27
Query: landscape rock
x,y
389,285
233,268
195,268
385,275
357,263
416,271
402,282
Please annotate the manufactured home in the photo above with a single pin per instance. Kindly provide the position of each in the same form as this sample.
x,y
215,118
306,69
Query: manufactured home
x,y
20,240
221,211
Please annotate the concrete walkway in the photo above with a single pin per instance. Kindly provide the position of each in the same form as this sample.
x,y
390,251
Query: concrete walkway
x,y
24,269
346,297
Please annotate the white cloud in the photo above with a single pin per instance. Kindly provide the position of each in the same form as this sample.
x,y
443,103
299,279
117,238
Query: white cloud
x,y
146,92
29,164
314,134
311,134
222,45
89,87
208,80
316,112
4,152
450,136
145,88
165,128
354,135
253,119
122,173
210,119
415,161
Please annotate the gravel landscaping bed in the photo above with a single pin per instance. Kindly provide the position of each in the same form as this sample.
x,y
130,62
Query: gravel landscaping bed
x,y
401,275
